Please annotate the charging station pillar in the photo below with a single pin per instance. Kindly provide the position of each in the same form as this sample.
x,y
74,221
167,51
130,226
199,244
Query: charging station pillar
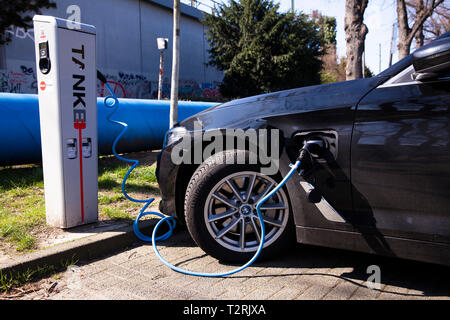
x,y
67,90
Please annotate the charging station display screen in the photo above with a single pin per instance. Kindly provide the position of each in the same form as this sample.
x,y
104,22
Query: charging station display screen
x,y
44,57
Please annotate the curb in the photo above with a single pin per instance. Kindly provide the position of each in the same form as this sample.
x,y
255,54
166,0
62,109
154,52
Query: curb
x,y
82,249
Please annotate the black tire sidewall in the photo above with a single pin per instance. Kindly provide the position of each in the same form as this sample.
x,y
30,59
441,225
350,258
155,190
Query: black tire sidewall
x,y
207,175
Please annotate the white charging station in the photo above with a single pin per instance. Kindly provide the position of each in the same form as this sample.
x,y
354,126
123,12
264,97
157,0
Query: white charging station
x,y
66,78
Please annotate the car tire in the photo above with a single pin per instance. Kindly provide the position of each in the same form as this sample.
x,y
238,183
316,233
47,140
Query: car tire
x,y
218,199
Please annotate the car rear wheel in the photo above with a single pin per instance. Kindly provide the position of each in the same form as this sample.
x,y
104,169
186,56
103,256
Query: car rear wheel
x,y
220,208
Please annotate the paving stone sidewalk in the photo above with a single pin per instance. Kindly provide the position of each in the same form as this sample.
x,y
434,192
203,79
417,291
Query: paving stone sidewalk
x,y
306,272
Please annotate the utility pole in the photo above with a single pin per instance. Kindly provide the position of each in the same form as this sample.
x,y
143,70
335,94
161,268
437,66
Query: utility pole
x,y
292,6
391,53
363,60
379,57
175,65
162,45
161,70
364,63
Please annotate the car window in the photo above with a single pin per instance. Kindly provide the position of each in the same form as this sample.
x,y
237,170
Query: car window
x,y
402,78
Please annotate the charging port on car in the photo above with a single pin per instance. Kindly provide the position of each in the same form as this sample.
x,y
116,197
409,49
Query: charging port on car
x,y
329,138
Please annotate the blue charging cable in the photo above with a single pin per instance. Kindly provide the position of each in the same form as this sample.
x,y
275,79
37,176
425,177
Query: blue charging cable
x,y
261,243
111,101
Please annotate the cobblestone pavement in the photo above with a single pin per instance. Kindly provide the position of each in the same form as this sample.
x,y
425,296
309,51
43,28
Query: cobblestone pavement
x,y
305,272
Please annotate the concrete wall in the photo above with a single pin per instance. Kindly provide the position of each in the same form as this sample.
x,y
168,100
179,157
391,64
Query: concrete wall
x,y
127,51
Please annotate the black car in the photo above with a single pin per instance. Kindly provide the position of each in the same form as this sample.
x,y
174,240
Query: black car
x,y
382,184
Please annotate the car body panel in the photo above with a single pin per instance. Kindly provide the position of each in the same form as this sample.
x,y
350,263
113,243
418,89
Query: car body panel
x,y
387,179
242,113
400,161
290,111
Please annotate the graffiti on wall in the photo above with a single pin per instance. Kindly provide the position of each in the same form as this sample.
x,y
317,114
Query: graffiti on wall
x,y
133,85
211,90
20,77
192,89
20,33
189,89
126,85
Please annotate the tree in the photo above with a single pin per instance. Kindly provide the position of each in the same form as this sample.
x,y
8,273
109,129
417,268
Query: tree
x,y
367,72
327,32
435,25
262,50
338,74
327,27
355,35
18,13
438,23
423,10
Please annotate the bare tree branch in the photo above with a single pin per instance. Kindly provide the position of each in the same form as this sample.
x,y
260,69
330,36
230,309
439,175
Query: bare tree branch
x,y
420,19
422,11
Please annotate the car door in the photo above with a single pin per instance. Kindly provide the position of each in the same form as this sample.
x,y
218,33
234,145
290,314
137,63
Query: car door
x,y
400,160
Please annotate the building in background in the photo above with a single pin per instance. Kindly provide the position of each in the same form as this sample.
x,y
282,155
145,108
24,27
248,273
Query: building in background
x,y
127,51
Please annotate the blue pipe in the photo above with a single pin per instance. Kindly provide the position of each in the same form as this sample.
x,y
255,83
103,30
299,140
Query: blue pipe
x,y
148,120
19,122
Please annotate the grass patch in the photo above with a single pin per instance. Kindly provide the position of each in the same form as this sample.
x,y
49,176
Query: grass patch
x,y
116,214
107,199
22,207
22,210
20,177
141,180
11,280
141,184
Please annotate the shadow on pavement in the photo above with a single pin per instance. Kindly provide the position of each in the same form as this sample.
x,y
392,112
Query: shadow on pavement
x,y
429,279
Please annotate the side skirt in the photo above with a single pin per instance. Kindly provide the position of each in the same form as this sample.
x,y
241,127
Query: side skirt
x,y
424,251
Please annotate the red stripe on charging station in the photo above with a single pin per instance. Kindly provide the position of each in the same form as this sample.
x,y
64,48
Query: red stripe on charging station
x,y
80,126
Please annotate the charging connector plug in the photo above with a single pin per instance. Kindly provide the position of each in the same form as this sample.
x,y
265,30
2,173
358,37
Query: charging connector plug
x,y
311,149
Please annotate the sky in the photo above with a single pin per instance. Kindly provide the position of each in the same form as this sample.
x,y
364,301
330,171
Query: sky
x,y
379,18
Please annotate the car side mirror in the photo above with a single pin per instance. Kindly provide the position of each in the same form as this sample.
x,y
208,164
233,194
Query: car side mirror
x,y
432,60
